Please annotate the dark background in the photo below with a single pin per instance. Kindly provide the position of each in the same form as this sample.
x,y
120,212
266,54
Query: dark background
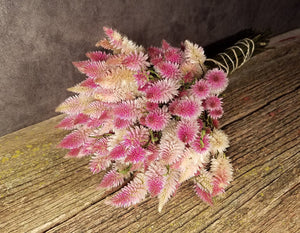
x,y
39,40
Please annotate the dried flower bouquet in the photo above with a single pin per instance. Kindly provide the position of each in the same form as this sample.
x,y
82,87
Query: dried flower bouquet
x,y
149,119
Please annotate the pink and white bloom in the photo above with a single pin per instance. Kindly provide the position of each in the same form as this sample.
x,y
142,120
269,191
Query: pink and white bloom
x,y
201,144
216,113
157,119
136,154
201,89
217,80
168,70
162,91
131,194
186,108
187,130
213,102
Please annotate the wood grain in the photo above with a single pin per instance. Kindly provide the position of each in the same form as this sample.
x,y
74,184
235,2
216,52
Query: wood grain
x,y
42,191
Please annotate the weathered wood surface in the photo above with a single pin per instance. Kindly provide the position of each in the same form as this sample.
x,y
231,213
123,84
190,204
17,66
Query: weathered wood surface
x,y
42,191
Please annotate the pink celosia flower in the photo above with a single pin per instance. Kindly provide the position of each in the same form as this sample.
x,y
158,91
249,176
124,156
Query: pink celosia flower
x,y
157,60
73,140
187,130
136,61
200,144
189,77
121,123
186,108
67,123
207,197
173,55
141,78
157,119
125,110
152,153
99,163
154,52
222,171
89,83
97,56
112,179
136,154
118,152
201,89
114,37
217,80
216,113
168,70
162,91
155,178
73,152
95,146
131,194
150,106
136,136
213,102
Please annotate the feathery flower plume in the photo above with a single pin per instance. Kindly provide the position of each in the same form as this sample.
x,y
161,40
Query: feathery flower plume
x,y
173,55
171,184
118,152
219,141
168,70
131,194
216,114
201,144
189,165
205,196
136,136
135,154
162,91
171,147
112,179
187,130
157,119
136,61
217,80
201,89
155,178
99,163
141,78
186,108
222,171
73,140
213,102
194,53
97,56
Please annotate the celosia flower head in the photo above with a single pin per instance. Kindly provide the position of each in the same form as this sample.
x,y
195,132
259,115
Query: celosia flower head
x,y
201,89
217,80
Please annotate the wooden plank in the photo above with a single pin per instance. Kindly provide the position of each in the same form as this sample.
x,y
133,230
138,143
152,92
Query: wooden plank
x,y
40,190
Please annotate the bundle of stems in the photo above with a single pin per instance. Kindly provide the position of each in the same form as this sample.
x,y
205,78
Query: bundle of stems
x,y
238,54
